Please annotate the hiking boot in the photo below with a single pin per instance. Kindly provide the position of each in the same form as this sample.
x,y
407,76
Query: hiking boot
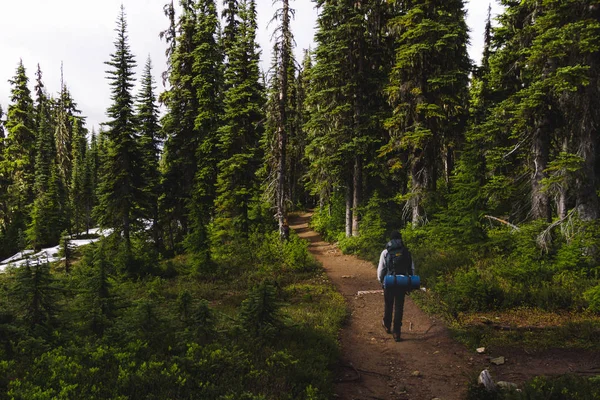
x,y
387,330
397,337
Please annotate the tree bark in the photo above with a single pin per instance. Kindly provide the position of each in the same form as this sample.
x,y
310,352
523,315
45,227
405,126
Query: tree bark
x,y
282,103
357,187
540,146
348,211
587,200
417,186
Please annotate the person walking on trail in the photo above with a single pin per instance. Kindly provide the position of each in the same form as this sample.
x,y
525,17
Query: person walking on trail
x,y
395,259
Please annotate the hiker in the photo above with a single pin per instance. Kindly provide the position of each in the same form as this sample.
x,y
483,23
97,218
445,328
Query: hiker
x,y
395,259
285,230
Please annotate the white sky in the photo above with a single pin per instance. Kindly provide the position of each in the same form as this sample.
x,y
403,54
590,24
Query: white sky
x,y
80,33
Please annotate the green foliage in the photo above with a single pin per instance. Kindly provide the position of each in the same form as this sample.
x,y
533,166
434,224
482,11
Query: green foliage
x,y
179,336
260,313
373,227
121,189
511,268
240,131
329,219
566,387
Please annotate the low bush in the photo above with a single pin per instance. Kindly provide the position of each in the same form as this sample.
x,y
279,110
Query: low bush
x,y
567,387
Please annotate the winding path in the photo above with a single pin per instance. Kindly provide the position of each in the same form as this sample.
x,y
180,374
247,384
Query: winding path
x,y
428,364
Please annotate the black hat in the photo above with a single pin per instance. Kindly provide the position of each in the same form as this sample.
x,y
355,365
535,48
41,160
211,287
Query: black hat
x,y
396,235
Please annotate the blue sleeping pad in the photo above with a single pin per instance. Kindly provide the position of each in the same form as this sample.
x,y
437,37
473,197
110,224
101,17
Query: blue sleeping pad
x,y
412,282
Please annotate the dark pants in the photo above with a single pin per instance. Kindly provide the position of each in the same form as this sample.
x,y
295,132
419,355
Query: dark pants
x,y
390,296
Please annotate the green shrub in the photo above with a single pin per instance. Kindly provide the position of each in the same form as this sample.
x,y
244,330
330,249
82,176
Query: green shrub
x,y
592,296
470,290
566,387
329,220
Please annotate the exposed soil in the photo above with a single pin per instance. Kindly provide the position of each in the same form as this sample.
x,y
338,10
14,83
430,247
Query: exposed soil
x,y
428,363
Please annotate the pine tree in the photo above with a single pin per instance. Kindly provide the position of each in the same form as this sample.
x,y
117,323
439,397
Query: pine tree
x,y
170,37
18,160
284,67
546,87
344,127
230,14
120,189
45,225
299,140
150,140
98,300
90,180
35,293
240,132
77,184
182,139
428,92
208,80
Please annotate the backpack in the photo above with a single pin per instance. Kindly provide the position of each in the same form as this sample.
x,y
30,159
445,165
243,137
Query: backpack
x,y
398,260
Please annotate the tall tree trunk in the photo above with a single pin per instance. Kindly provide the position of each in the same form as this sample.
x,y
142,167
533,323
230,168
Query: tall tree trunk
x,y
540,146
348,211
448,165
561,200
357,187
286,47
587,200
418,174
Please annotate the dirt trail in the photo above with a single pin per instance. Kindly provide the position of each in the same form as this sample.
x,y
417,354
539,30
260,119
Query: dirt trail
x,y
427,364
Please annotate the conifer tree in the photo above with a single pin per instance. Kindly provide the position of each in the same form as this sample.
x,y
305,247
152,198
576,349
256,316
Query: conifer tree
x,y
18,159
284,67
298,167
182,139
345,127
150,139
45,226
240,131
545,87
77,184
120,189
92,167
170,37
208,81
230,14
98,298
35,293
428,92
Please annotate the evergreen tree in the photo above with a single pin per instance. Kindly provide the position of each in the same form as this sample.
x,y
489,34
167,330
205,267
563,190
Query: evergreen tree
x,y
297,142
208,81
170,36
18,160
230,14
120,189
344,125
90,181
98,300
45,225
150,140
77,184
240,131
428,92
545,84
283,71
182,139
35,293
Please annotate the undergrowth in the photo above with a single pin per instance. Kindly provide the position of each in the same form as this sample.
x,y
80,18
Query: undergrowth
x,y
567,387
262,324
